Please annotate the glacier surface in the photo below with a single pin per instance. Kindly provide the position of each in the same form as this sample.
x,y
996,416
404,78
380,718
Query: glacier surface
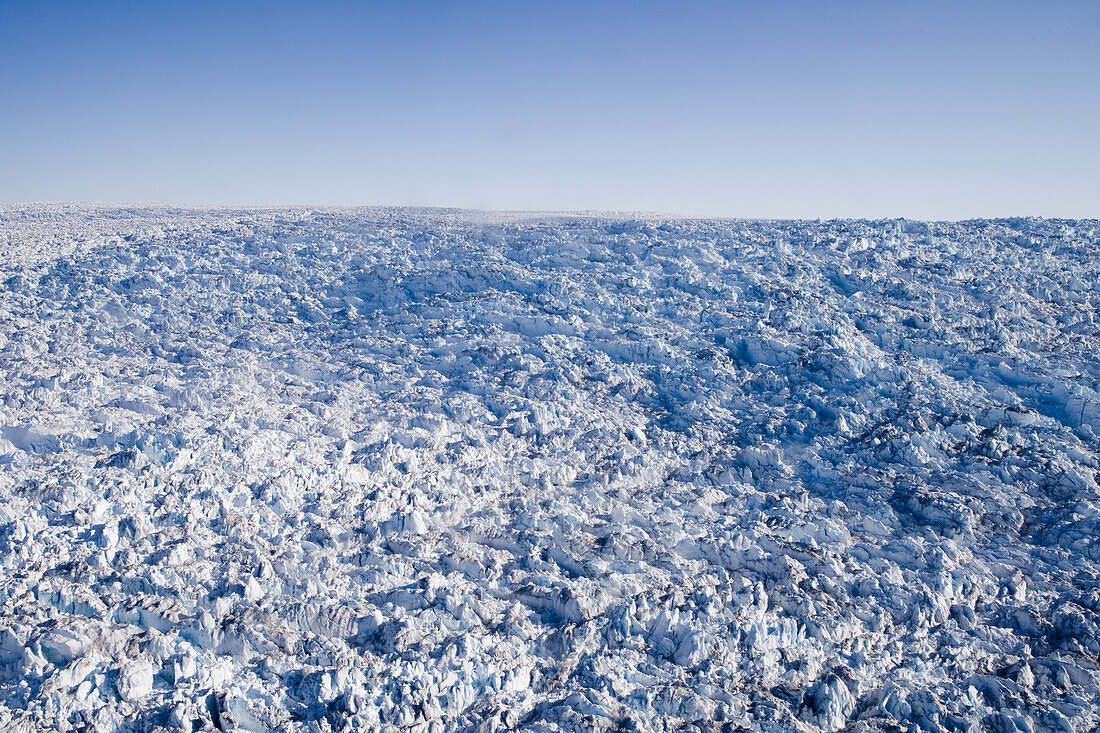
x,y
423,470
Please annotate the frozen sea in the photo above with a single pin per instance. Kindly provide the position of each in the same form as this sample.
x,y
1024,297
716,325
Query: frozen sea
x,y
430,470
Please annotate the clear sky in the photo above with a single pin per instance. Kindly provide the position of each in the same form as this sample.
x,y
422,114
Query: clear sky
x,y
764,109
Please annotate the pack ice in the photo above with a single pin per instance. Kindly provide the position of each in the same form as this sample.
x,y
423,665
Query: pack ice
x,y
383,469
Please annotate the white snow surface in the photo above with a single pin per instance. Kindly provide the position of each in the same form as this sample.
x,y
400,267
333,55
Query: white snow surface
x,y
392,469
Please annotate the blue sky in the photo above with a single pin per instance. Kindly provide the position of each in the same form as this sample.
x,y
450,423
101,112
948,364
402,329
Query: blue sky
x,y
769,109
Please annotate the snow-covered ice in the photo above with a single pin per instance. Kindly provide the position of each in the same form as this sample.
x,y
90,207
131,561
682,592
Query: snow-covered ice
x,y
388,469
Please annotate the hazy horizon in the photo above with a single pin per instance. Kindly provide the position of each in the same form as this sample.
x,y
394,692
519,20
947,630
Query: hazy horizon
x,y
596,213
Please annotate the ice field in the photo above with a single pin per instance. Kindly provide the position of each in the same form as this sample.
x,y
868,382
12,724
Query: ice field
x,y
394,469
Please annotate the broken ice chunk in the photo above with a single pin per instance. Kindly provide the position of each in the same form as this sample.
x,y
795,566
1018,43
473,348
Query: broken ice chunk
x,y
135,680
415,522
